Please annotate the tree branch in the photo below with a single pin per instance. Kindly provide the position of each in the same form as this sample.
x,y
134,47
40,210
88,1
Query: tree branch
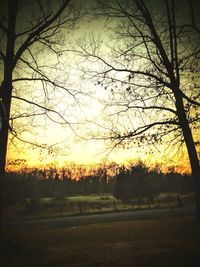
x,y
44,108
146,108
38,31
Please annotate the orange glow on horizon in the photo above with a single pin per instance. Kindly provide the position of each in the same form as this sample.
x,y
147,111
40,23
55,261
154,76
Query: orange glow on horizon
x,y
85,159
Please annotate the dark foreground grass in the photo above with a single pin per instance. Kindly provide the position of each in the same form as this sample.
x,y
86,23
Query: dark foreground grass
x,y
169,242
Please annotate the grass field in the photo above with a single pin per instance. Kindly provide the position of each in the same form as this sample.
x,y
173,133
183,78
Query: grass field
x,y
86,204
166,242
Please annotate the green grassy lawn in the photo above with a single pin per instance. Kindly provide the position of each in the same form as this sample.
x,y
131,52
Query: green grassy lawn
x,y
166,242
92,198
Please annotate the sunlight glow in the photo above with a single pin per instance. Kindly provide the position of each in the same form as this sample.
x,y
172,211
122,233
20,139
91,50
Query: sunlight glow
x,y
75,132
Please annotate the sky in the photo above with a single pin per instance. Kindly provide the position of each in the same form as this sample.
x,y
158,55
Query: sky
x,y
82,102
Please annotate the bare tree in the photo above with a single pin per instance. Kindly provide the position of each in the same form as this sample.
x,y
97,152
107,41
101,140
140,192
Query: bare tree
x,y
29,32
153,74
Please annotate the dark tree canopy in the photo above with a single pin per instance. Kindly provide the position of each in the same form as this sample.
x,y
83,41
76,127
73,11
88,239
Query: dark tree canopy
x,y
152,73
28,30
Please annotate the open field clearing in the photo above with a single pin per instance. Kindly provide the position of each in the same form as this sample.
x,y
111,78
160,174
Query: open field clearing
x,y
89,204
173,242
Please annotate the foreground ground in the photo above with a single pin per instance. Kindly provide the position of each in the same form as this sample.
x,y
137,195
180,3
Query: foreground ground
x,y
170,242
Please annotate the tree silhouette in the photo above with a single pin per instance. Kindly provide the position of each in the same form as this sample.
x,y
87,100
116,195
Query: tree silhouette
x,y
26,29
153,74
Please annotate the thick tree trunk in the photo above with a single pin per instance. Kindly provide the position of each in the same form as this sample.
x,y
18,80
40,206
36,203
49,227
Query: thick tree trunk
x,y
192,152
6,100
5,96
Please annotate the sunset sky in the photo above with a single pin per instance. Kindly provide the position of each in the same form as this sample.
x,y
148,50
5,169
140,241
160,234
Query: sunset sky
x,y
84,107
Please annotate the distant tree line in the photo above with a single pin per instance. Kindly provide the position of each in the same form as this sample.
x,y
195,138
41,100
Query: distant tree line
x,y
128,183
139,182
50,183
